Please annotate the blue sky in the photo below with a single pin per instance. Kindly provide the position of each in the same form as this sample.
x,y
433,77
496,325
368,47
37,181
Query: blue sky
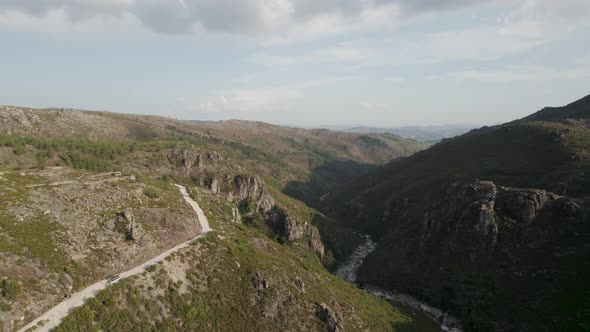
x,y
300,62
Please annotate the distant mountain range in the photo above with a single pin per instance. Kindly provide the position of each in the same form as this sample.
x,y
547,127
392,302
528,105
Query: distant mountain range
x,y
424,134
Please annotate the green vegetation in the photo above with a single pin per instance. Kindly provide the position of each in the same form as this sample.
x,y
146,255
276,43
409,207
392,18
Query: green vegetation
x,y
5,306
10,289
372,141
150,193
81,152
228,301
42,243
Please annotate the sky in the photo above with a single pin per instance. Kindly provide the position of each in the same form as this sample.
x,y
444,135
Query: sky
x,y
383,63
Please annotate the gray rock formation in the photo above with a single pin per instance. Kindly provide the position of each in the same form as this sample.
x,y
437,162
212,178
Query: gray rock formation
x,y
481,210
299,284
251,188
191,163
292,229
127,225
329,317
522,205
260,281
16,119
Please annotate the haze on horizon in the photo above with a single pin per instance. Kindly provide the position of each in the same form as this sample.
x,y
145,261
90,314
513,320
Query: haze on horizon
x,y
384,63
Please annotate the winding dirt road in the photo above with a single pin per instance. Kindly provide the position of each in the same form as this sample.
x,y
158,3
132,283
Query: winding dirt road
x,y
55,315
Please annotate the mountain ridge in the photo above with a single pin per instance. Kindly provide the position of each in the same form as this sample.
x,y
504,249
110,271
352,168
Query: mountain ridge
x,y
522,186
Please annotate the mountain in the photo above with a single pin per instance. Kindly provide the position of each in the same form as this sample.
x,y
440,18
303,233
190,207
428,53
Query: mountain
x,y
87,194
577,110
424,134
491,225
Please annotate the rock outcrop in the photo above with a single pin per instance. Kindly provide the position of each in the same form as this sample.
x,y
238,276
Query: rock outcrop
x,y
481,210
294,230
251,188
329,317
247,191
192,163
126,224
15,119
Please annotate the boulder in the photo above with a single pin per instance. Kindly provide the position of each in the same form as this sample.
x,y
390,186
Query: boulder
x,y
522,205
128,226
329,317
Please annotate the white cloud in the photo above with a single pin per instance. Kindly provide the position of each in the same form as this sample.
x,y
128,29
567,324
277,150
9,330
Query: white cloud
x,y
375,106
522,73
276,20
56,21
529,24
279,21
239,101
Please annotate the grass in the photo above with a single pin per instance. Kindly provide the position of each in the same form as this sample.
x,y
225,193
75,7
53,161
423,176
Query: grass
x,y
224,303
41,244
17,236
151,193
79,152
10,290
149,155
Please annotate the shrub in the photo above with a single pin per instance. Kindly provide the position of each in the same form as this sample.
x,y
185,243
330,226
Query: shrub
x,y
5,306
150,193
19,149
41,157
10,289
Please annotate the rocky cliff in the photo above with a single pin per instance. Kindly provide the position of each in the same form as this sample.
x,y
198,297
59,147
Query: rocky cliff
x,y
482,244
248,192
481,212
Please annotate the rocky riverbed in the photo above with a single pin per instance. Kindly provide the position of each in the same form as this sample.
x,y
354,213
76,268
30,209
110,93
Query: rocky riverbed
x,y
348,271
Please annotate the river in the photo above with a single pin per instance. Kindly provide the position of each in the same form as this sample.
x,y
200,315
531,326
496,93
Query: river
x,y
349,272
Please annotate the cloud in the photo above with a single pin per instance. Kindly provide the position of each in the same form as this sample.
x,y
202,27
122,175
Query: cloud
x,y
274,18
519,29
240,101
76,9
522,73
280,21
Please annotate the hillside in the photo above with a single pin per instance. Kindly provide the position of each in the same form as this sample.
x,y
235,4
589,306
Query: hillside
x,y
89,194
281,155
577,110
424,134
491,225
239,280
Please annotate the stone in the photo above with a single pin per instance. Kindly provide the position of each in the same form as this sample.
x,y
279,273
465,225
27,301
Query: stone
x,y
522,205
251,188
215,186
260,281
329,317
299,284
133,230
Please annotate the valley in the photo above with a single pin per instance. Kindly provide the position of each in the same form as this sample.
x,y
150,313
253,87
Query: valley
x,y
430,241
485,220
114,197
295,166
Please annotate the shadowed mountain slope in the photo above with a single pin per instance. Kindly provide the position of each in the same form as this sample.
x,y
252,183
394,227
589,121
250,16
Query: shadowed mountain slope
x,y
491,225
